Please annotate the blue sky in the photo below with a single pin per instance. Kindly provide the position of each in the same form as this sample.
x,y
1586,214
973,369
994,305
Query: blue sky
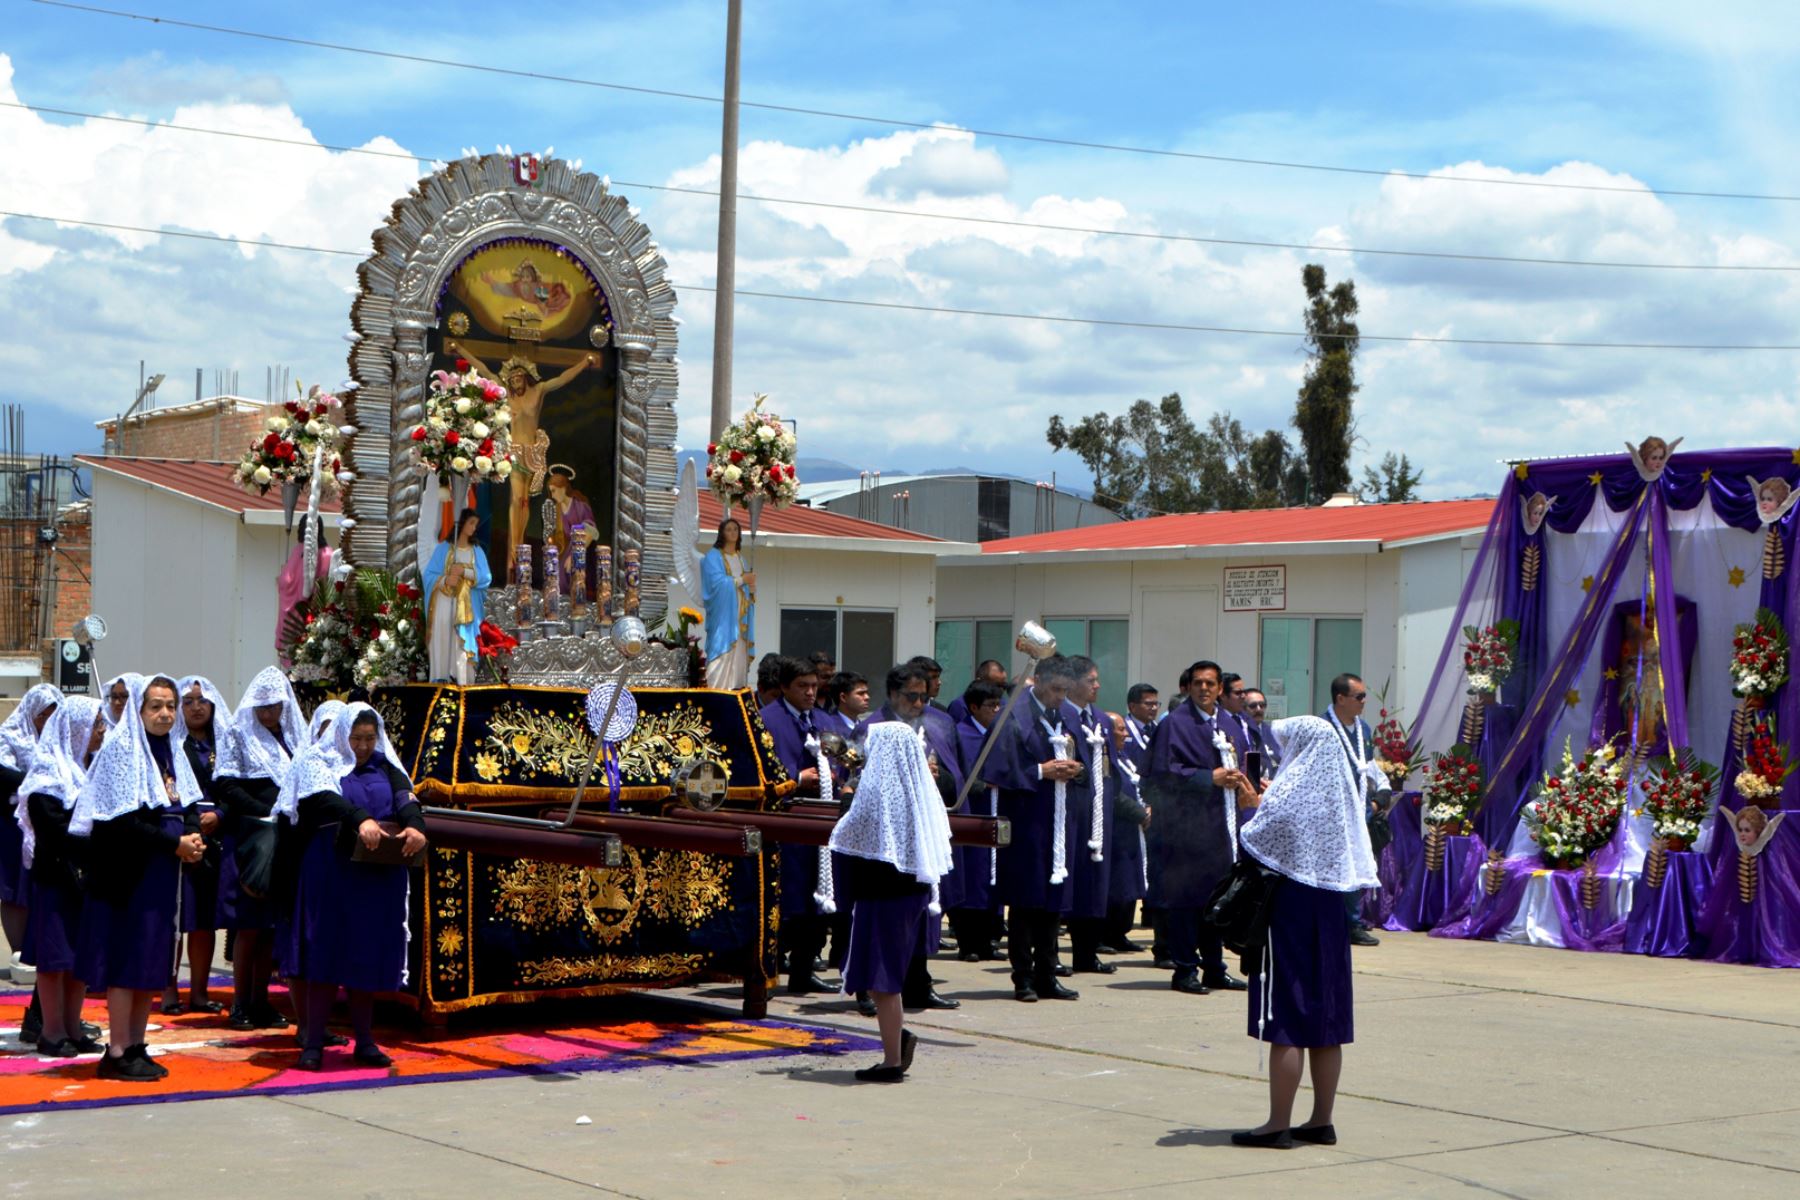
x,y
1603,91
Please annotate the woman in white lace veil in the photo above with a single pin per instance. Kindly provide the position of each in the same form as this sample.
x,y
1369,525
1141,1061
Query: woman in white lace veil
x,y
1310,830
135,811
896,843
58,771
18,740
267,732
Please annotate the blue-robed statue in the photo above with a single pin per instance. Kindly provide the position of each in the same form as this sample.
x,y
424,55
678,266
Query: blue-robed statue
x,y
456,583
728,593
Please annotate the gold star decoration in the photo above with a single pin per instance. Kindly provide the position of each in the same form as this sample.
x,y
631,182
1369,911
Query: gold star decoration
x,y
1521,470
1594,479
1735,577
1587,584
1612,672
1572,697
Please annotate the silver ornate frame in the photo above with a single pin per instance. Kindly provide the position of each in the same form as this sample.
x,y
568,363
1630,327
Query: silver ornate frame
x,y
448,216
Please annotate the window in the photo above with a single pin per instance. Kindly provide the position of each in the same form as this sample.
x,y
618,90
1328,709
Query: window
x,y
960,645
1301,656
1105,640
860,640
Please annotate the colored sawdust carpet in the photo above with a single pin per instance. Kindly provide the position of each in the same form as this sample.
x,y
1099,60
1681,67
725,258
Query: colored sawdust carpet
x,y
206,1060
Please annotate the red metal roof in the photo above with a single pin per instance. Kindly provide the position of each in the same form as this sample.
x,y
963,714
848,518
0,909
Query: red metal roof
x,y
815,522
213,483
1383,523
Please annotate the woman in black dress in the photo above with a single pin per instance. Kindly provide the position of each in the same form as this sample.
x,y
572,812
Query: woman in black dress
x,y
58,771
207,719
136,810
349,922
1310,830
266,733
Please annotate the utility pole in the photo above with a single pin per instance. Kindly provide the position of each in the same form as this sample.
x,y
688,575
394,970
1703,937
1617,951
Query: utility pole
x,y
726,272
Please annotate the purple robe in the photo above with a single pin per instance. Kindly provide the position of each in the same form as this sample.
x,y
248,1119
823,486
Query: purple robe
x,y
1190,841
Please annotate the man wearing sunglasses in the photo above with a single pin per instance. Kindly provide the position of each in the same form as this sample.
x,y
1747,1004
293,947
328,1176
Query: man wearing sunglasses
x,y
1349,694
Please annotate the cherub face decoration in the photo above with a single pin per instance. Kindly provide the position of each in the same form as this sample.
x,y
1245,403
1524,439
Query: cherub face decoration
x,y
1651,455
1537,507
1774,497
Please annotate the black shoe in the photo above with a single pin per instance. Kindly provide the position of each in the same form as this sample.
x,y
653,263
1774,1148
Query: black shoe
x,y
1318,1135
127,1069
865,1004
931,1000
802,985
1224,981
881,1074
1360,936
1190,984
240,1019
1025,994
60,1048
909,1043
310,1060
1161,963
1281,1139
1062,971
1052,990
1095,968
141,1052
370,1056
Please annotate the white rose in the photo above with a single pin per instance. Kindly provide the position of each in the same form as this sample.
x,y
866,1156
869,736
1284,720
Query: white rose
x,y
480,429
261,475
464,404
459,463
732,474
483,463
765,433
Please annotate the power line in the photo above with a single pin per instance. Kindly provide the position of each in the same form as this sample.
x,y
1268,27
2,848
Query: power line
x,y
840,206
940,310
903,123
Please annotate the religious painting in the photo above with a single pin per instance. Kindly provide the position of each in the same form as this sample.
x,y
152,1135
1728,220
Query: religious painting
x,y
532,316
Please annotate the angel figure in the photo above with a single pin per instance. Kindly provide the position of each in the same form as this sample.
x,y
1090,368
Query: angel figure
x,y
727,591
1650,456
1537,507
1773,498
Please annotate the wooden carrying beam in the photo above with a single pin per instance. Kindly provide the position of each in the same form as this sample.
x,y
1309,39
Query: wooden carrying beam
x,y
738,838
520,837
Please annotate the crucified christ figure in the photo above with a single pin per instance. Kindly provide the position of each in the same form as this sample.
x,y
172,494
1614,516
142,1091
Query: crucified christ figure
x,y
525,392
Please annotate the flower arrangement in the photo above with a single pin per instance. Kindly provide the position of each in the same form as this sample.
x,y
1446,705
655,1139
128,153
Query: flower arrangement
x,y
495,646
1393,750
1676,799
465,430
753,460
1766,765
1490,654
1578,807
365,631
1759,657
284,453
1452,791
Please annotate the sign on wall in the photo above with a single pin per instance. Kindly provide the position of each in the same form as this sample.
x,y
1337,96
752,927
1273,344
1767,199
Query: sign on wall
x,y
1255,589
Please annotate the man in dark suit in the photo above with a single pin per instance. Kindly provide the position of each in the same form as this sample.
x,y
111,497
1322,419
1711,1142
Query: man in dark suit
x,y
1348,696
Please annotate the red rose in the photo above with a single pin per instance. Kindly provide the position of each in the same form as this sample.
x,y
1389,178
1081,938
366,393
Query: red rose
x,y
418,433
452,438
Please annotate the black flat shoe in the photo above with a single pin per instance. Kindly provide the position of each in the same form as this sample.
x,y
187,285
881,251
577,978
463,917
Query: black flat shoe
x,y
802,985
1056,991
1096,968
1318,1135
1191,986
1225,981
310,1060
1281,1139
1025,995
881,1074
909,1043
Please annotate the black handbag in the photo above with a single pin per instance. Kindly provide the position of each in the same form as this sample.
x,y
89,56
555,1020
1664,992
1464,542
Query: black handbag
x,y
1239,908
255,856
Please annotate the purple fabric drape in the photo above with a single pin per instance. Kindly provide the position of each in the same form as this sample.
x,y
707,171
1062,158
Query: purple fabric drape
x,y
1664,918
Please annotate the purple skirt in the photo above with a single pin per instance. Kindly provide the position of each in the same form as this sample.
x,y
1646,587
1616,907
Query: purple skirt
x,y
349,922
883,937
53,929
232,909
1308,968
15,881
132,945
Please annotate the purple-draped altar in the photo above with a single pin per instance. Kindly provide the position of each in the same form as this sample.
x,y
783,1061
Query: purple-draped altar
x,y
1626,582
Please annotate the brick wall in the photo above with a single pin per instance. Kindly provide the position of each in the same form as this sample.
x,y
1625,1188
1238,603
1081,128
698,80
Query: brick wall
x,y
213,434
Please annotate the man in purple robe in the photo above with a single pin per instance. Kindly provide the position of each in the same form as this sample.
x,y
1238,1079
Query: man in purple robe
x,y
908,700
1193,799
1088,905
976,921
1040,748
789,720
